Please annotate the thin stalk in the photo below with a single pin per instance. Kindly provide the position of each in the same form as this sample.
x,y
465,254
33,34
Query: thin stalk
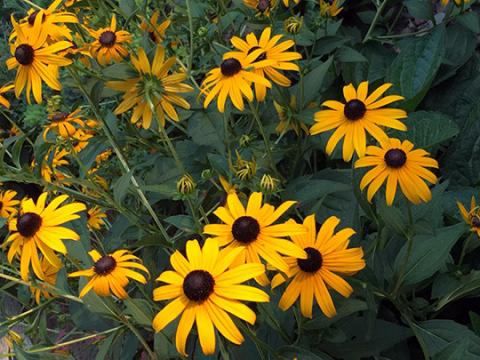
x,y
32,4
190,28
375,20
464,250
13,123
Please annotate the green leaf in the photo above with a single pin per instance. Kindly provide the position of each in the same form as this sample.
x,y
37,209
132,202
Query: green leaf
x,y
120,187
348,54
413,71
470,20
313,81
347,308
298,352
469,284
182,222
428,254
420,9
392,216
140,310
207,128
104,347
454,351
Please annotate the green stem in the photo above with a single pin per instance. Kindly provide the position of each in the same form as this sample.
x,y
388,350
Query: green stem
x,y
464,250
190,28
13,123
32,4
375,20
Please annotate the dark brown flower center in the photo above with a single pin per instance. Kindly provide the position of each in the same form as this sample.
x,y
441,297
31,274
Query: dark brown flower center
x,y
33,16
108,38
395,158
105,265
475,221
198,285
28,224
24,54
263,5
230,67
60,116
354,109
153,36
313,262
1,205
260,57
245,229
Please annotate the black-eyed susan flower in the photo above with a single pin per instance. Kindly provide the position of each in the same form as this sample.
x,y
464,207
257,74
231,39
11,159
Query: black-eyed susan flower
x,y
96,218
233,79
252,229
53,160
361,114
471,217
262,7
37,227
34,58
206,292
53,22
155,31
288,118
8,203
50,273
109,44
3,90
397,163
80,139
328,258
110,273
288,2
155,86
63,123
457,2
272,57
330,8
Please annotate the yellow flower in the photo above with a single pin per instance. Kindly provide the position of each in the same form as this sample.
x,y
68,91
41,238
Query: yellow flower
x,y
272,57
457,2
254,232
37,227
263,7
8,205
50,277
472,217
287,2
34,60
288,121
95,218
268,183
80,139
233,79
205,291
397,163
3,90
229,188
62,123
359,115
153,86
330,8
328,256
109,43
155,31
50,171
244,169
109,274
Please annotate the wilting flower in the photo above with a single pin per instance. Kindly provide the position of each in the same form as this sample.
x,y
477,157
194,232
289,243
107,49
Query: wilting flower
x,y
360,114
330,8
328,256
3,90
62,123
244,169
263,7
50,277
153,87
95,218
472,217
37,227
233,79
397,163
288,120
109,43
34,60
155,31
8,205
253,230
268,183
109,274
205,292
272,57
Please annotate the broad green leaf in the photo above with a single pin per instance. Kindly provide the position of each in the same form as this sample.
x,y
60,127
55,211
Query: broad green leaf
x,y
313,81
140,310
182,222
348,54
468,285
207,128
347,308
420,9
392,216
120,187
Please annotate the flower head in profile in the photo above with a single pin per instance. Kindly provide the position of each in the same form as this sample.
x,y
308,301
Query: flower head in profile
x,y
328,258
8,203
34,60
96,218
3,90
36,229
288,119
457,2
53,22
272,57
50,165
253,230
155,88
50,277
330,8
398,163
233,80
155,31
361,114
63,123
109,43
262,7
472,216
110,273
206,293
